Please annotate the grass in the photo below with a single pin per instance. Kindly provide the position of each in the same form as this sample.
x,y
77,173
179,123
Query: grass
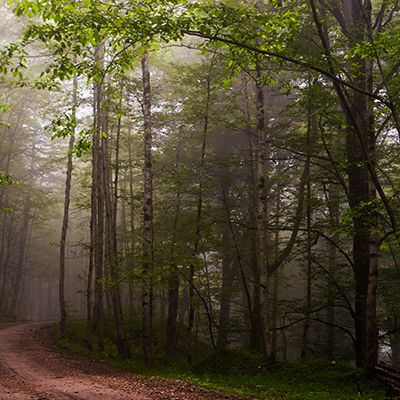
x,y
242,373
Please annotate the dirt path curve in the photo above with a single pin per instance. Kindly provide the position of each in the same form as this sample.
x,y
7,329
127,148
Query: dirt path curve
x,y
32,367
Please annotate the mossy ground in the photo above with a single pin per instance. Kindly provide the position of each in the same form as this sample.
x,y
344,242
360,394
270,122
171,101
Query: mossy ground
x,y
241,372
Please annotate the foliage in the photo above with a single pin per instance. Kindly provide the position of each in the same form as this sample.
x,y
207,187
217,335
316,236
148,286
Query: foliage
x,y
5,179
260,54
248,374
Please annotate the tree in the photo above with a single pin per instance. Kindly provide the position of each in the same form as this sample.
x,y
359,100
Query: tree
x,y
353,66
147,214
67,198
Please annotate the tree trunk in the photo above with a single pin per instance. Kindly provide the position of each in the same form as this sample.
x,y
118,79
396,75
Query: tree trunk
x,y
355,19
22,251
262,217
132,224
147,215
67,198
97,322
395,348
312,133
226,291
254,313
197,235
111,253
173,280
360,152
5,261
333,202
275,277
22,244
307,314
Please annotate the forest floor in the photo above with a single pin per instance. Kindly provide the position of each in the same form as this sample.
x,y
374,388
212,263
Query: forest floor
x,y
32,366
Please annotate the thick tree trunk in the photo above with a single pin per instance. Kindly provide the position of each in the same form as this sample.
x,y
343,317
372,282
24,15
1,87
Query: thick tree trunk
x,y
355,19
395,348
360,152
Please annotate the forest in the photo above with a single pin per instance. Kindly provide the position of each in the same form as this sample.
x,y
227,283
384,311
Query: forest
x,y
184,180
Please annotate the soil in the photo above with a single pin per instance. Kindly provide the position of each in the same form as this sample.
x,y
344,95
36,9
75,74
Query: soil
x,y
33,367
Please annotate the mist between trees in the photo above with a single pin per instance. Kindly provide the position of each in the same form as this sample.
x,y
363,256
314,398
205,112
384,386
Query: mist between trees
x,y
225,172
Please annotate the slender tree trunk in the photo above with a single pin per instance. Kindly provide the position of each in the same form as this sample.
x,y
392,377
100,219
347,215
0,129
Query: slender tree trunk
x,y
254,314
262,217
6,259
147,215
111,253
332,268
91,267
5,233
132,224
275,277
173,280
23,244
226,291
173,301
97,321
93,228
312,132
22,251
238,259
67,198
307,314
124,246
197,235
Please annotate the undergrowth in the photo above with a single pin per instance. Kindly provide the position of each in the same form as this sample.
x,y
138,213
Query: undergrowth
x,y
239,372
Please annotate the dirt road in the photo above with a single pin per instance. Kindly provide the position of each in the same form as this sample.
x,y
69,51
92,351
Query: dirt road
x,y
32,367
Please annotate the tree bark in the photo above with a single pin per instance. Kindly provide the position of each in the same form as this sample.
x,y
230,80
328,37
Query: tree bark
x,y
226,291
111,252
22,251
199,211
333,202
312,133
98,221
131,223
67,199
254,313
173,279
262,216
275,277
147,215
355,20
